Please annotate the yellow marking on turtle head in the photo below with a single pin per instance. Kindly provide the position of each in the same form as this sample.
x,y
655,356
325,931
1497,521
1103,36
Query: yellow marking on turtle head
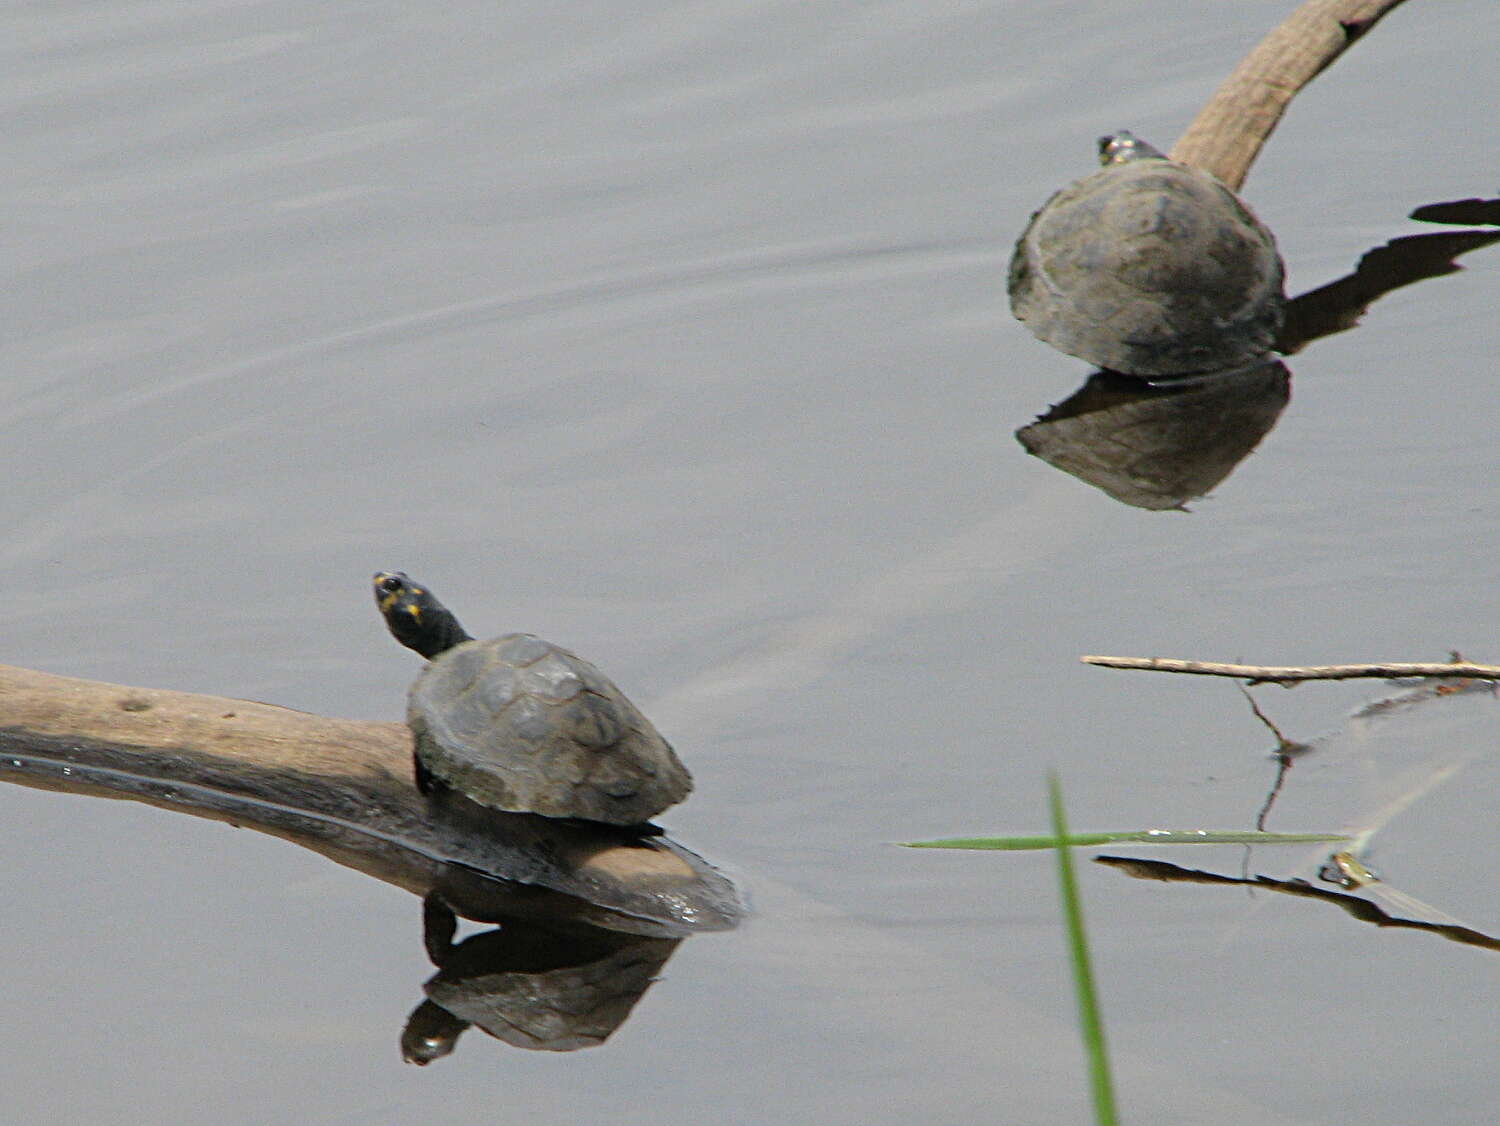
x,y
387,600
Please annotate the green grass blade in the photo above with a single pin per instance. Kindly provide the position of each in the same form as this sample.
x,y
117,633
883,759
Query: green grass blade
x,y
1090,1024
1134,836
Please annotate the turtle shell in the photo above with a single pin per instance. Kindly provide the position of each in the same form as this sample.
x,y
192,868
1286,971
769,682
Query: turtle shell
x,y
519,724
1149,267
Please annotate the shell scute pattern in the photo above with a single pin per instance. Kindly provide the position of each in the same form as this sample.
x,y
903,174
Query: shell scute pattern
x,y
1152,268
520,649
528,720
521,724
551,678
599,723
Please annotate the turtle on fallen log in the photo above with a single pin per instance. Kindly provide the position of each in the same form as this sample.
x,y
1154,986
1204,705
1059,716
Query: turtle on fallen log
x,y
344,788
519,724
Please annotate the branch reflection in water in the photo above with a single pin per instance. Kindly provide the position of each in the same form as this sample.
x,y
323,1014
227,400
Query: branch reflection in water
x,y
1356,906
1386,757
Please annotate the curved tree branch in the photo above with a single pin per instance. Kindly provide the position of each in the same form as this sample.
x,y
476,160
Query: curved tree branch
x,y
1227,135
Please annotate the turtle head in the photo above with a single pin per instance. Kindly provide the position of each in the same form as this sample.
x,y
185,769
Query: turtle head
x,y
1119,147
415,618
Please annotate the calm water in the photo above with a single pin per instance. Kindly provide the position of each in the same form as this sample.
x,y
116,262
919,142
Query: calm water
x,y
677,335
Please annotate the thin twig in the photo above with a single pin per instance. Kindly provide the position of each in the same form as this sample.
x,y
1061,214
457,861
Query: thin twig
x,y
1283,674
1285,747
1285,751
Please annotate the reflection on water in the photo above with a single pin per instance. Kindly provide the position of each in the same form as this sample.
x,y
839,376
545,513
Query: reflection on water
x,y
534,985
1355,906
1386,758
567,966
1159,444
589,913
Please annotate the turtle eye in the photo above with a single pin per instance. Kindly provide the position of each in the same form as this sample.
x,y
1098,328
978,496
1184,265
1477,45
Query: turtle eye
x,y
392,584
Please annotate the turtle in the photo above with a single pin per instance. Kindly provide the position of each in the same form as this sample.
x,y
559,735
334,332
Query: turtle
x,y
1150,268
519,724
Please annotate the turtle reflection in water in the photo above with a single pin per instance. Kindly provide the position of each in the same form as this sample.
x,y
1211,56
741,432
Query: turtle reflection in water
x,y
518,724
1160,445
535,986
1148,267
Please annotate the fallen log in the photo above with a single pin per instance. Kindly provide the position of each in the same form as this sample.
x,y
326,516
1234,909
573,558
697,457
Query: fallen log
x,y
344,788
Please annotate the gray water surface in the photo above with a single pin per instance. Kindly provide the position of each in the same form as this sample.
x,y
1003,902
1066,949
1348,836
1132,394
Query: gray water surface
x,y
676,334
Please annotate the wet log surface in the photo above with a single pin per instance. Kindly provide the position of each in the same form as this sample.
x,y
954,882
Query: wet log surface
x,y
344,788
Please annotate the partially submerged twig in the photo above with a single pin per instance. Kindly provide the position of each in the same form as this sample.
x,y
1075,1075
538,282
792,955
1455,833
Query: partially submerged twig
x,y
1227,135
1285,750
1285,674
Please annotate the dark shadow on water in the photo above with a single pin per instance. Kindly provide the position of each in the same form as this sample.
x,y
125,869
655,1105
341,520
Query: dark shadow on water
x,y
1159,443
